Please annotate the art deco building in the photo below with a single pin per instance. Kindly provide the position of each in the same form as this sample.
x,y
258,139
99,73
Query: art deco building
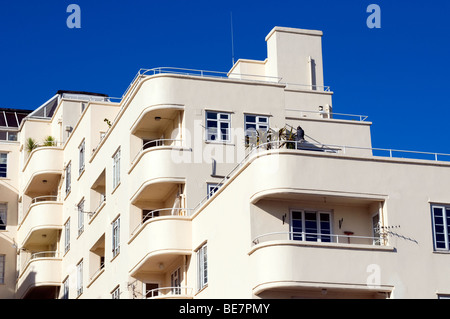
x,y
199,184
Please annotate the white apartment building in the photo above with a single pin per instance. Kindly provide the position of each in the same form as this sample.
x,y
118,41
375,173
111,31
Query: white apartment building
x,y
199,184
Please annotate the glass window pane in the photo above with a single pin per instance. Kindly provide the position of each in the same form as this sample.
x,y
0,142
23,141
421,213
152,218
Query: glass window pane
x,y
224,116
250,118
311,226
211,115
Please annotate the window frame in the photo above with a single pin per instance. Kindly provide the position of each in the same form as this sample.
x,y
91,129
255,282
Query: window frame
x,y
80,209
4,211
219,121
319,236
212,188
81,157
445,225
68,177
202,266
80,278
2,268
5,170
116,168
257,122
67,236
115,236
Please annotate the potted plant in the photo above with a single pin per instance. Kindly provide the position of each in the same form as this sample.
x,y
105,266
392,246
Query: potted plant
x,y
30,145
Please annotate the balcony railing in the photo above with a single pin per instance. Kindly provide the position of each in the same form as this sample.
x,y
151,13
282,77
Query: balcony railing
x,y
169,292
322,238
156,143
45,198
41,254
161,213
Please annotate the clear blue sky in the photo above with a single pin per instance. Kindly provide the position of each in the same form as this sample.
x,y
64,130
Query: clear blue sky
x,y
397,75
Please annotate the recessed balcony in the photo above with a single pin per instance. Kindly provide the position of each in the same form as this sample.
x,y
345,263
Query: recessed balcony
x,y
42,170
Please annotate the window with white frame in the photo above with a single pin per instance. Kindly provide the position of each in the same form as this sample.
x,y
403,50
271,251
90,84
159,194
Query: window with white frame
x,y
2,269
80,278
81,156
441,226
116,237
3,165
175,281
202,267
254,123
307,225
65,289
218,126
212,188
67,236
3,215
116,293
80,208
68,177
116,168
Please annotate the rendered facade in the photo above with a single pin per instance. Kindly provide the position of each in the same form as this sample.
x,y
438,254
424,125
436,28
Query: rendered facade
x,y
197,184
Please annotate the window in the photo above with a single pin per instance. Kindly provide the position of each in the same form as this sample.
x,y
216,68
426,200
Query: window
x,y
255,123
67,236
80,278
116,293
310,226
116,237
218,126
65,289
3,213
2,269
81,156
3,164
80,207
68,174
212,188
116,169
175,281
202,261
441,227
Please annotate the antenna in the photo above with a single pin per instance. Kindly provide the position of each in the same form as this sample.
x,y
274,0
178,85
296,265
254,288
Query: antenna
x,y
232,45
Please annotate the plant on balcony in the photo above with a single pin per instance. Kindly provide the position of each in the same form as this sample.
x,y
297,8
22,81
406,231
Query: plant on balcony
x,y
49,141
274,138
30,145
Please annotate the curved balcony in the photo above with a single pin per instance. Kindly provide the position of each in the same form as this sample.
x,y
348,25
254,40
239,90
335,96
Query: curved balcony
x,y
155,184
42,170
40,276
158,242
295,266
170,293
42,222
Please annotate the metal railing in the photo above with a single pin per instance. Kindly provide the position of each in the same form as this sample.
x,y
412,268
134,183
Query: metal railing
x,y
41,254
320,237
161,213
156,143
169,292
332,115
44,198
317,147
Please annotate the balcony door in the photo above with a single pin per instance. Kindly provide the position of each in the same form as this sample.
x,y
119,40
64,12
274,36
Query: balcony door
x,y
309,225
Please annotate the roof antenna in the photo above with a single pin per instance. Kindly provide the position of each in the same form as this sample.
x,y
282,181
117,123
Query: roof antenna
x,y
232,45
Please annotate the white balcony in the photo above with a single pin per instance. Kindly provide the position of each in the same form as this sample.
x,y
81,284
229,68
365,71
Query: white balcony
x,y
40,276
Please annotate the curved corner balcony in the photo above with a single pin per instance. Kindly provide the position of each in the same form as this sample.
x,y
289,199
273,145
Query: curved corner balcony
x,y
40,276
42,170
158,241
282,265
42,221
